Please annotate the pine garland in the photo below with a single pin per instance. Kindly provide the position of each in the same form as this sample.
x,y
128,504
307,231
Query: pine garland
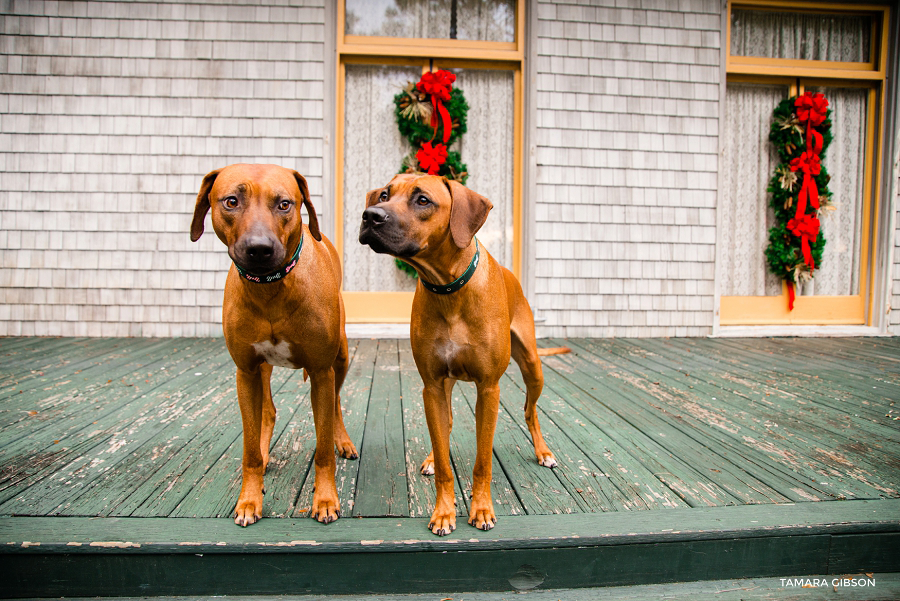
x,y
785,253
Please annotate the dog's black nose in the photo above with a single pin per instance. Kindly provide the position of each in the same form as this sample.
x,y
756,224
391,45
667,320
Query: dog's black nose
x,y
259,248
374,216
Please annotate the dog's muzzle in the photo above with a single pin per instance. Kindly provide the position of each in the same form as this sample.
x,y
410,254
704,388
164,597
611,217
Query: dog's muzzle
x,y
258,253
382,233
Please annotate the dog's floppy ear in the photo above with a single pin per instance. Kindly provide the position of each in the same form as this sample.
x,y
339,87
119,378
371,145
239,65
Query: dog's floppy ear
x,y
202,206
310,209
468,213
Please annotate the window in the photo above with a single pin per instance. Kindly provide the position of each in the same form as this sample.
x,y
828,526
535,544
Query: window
x,y
777,50
383,44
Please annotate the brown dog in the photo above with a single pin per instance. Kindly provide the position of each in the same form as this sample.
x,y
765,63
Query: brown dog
x,y
466,321
291,316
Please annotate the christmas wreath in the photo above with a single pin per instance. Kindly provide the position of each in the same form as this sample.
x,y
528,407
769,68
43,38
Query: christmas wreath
x,y
801,131
431,115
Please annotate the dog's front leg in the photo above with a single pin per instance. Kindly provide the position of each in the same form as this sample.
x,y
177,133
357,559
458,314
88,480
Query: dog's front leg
x,y
481,511
437,414
250,398
326,506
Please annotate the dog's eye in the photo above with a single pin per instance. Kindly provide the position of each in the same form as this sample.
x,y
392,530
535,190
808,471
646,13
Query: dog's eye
x,y
231,202
284,205
422,201
383,196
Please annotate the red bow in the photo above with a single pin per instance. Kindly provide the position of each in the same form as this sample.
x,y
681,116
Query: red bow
x,y
812,107
805,227
431,158
810,164
437,84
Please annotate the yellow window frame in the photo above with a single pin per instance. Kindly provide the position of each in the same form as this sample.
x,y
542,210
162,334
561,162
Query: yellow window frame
x,y
820,310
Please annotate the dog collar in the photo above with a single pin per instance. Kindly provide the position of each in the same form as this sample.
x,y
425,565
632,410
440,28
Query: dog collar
x,y
274,276
458,282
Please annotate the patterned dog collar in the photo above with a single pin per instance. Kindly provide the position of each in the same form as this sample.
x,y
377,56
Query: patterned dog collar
x,y
458,282
275,276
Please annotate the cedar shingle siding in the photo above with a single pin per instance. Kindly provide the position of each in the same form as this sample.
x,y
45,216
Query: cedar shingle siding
x,y
111,112
627,138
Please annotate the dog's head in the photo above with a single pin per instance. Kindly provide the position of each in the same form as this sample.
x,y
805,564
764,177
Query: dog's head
x,y
256,213
415,213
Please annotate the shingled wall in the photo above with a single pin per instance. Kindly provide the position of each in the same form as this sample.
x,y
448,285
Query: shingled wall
x,y
627,135
110,113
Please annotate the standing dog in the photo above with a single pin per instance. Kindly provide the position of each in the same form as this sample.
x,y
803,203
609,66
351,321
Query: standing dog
x,y
468,316
282,307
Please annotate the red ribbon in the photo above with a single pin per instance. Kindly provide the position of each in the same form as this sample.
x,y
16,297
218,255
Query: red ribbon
x,y
437,84
805,227
812,110
432,157
810,164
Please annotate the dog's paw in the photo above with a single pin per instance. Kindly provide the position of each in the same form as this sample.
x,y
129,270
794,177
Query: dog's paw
x,y
442,523
346,449
427,467
482,515
325,509
547,460
247,512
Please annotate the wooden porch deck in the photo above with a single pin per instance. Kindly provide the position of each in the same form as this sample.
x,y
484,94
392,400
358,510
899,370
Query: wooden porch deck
x,y
680,459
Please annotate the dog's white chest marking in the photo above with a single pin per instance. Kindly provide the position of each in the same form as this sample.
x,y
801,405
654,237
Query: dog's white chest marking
x,y
452,354
275,354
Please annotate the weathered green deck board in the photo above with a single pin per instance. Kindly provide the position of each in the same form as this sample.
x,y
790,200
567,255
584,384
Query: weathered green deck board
x,y
61,556
44,360
633,485
715,410
638,427
852,376
843,353
635,425
24,356
830,437
39,450
887,588
833,395
780,404
383,452
416,440
114,352
33,395
766,460
46,404
216,490
116,465
355,396
574,471
727,482
719,410
790,373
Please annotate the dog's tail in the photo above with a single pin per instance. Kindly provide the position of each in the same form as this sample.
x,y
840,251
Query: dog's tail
x,y
558,350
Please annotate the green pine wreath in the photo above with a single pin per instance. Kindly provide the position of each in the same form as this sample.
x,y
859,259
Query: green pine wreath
x,y
784,255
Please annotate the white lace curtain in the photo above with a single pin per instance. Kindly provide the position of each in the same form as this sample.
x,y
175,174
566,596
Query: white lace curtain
x,y
374,150
806,36
487,20
842,227
749,160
